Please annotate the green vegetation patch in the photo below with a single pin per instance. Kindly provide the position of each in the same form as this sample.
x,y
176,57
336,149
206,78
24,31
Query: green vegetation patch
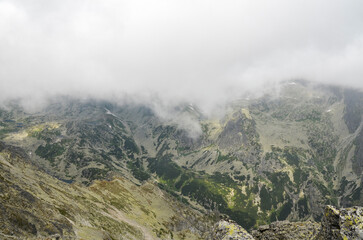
x,y
303,208
265,199
227,157
285,210
279,180
300,176
50,151
137,170
164,132
216,192
131,146
291,156
164,167
94,173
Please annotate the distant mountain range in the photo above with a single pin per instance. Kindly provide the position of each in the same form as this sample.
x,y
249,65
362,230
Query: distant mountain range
x,y
96,168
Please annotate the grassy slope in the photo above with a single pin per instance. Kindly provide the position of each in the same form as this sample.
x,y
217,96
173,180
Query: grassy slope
x,y
36,204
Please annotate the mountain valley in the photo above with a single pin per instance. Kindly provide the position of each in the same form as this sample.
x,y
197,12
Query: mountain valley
x,y
96,169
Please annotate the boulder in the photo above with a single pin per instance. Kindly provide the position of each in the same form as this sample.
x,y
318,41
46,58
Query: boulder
x,y
286,230
346,223
230,230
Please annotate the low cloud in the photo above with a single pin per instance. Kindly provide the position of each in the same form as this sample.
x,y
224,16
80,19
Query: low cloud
x,y
203,52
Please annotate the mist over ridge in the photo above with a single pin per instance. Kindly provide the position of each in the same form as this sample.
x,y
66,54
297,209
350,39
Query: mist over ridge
x,y
167,53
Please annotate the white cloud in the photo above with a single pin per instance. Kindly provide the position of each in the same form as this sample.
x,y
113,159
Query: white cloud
x,y
205,52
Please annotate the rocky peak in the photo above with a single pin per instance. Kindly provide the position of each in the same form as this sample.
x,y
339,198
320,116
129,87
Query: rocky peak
x,y
346,223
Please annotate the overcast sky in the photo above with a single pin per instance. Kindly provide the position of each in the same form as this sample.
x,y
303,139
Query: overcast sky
x,y
188,50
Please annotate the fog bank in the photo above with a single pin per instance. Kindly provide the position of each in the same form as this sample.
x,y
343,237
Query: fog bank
x,y
204,52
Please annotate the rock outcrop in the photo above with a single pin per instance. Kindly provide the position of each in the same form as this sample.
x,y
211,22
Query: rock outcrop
x,y
337,224
346,223
287,230
230,230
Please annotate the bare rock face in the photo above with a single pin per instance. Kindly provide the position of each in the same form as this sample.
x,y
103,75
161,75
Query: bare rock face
x,y
286,230
229,230
346,223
